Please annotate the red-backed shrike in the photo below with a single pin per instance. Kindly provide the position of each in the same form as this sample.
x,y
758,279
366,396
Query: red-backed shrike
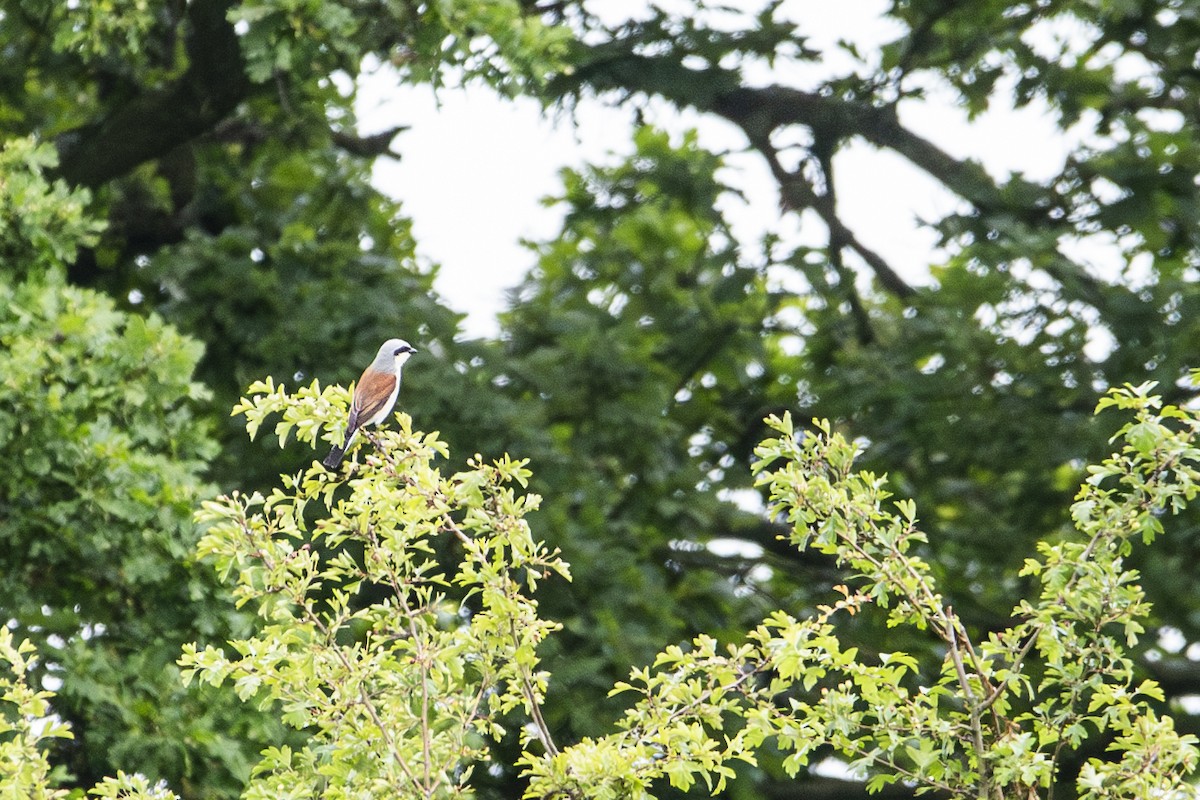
x,y
374,394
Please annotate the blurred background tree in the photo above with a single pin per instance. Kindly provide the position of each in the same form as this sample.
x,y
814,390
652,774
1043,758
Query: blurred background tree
x,y
199,213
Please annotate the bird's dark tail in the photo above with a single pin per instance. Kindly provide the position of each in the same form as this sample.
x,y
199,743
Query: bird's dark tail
x,y
335,457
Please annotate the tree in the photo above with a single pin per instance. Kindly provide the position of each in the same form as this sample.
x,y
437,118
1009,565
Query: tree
x,y
105,453
218,142
402,693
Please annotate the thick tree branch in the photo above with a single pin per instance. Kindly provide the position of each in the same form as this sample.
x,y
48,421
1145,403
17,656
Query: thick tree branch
x,y
760,111
798,194
1177,676
155,122
377,144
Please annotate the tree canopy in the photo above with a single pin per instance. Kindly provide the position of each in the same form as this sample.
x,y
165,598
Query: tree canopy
x,y
186,207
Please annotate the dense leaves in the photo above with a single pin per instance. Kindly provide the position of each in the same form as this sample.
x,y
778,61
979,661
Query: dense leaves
x,y
396,627
105,453
197,172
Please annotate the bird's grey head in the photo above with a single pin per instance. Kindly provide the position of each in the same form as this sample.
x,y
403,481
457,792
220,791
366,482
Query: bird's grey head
x,y
392,355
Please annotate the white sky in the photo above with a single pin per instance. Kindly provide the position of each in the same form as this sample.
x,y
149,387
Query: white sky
x,y
475,167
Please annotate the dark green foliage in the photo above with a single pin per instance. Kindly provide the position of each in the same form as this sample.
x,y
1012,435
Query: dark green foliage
x,y
104,452
639,340
219,144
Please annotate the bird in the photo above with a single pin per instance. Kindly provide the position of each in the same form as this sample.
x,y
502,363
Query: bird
x,y
374,394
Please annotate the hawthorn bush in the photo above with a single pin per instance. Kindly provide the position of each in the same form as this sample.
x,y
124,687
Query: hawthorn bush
x,y
399,632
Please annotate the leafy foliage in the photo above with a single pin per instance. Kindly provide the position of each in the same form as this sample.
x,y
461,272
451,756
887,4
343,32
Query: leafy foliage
x,y
105,454
217,142
985,725
399,694
42,220
490,40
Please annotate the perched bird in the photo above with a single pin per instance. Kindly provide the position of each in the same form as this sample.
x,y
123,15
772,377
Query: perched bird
x,y
374,394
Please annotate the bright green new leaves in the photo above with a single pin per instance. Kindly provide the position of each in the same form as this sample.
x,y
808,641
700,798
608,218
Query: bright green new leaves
x,y
1008,724
27,726
396,626
841,513
1003,712
705,707
132,787
1149,748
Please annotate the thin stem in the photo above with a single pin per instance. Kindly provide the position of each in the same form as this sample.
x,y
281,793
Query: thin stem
x,y
943,620
799,195
365,699
527,688
972,704
1016,664
422,656
535,710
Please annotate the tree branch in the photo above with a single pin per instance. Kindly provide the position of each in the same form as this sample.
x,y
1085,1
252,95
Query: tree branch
x,y
760,111
155,122
798,194
377,144
1177,676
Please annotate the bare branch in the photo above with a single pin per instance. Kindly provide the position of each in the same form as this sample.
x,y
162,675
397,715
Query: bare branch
x,y
798,194
376,144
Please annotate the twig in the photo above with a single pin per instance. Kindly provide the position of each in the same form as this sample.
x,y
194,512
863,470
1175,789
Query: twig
x,y
798,194
972,704
531,698
365,699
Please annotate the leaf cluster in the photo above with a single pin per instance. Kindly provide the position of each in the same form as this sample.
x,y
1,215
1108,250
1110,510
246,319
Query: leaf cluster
x,y
997,718
397,628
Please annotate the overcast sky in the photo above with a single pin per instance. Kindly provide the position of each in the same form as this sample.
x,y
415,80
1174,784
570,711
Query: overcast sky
x,y
476,166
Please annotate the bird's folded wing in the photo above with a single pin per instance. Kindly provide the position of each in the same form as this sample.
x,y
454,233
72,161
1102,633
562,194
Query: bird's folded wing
x,y
370,398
